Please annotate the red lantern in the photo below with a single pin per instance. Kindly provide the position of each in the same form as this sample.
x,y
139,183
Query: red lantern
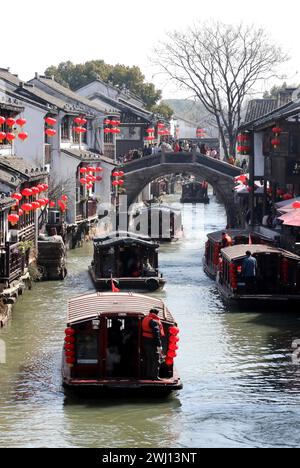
x,y
10,122
26,192
78,120
161,132
98,169
171,354
50,132
17,196
46,187
83,181
174,331
23,136
107,130
116,174
2,120
35,205
174,339
52,204
99,178
173,347
65,198
26,207
89,186
61,205
150,130
10,136
69,339
277,130
117,122
21,212
161,125
90,169
116,183
83,121
112,123
106,122
80,130
21,122
275,142
121,174
83,170
2,136
121,182
41,188
50,121
42,202
35,190
13,218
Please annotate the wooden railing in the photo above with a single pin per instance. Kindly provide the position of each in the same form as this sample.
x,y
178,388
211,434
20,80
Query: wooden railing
x,y
12,263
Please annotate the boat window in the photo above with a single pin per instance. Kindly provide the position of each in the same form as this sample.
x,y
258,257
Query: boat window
x,y
87,348
122,352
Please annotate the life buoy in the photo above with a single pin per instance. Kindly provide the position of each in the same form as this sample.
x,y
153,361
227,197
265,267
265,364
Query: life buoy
x,y
152,284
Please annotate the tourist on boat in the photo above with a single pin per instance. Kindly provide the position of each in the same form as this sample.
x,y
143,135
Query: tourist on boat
x,y
153,333
249,271
226,240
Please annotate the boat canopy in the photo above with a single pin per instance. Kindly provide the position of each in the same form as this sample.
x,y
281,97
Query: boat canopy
x,y
239,251
92,306
123,237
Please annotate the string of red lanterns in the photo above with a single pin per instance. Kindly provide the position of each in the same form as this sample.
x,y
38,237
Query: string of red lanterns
x,y
50,132
114,124
275,142
10,136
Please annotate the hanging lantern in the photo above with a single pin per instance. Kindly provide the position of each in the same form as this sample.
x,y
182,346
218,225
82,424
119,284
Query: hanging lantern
x,y
26,192
41,188
150,130
2,136
277,130
115,183
65,198
46,186
116,174
106,122
2,120
117,123
161,125
61,205
121,182
174,331
10,136
21,212
83,170
115,130
107,130
35,205
275,142
23,136
78,121
150,138
161,132
35,190
83,121
121,174
42,202
10,122
52,204
26,207
90,169
21,122
83,181
50,132
98,169
89,186
13,219
169,362
17,196
80,130
50,121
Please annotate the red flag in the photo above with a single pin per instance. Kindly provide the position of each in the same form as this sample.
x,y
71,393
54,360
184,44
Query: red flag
x,y
250,240
114,287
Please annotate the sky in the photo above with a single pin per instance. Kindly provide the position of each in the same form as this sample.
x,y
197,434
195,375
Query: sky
x,y
43,33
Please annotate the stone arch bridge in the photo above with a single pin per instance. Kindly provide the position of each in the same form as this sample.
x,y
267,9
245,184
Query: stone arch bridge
x,y
219,174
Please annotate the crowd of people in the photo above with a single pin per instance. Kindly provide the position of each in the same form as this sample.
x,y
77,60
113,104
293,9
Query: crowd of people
x,y
170,146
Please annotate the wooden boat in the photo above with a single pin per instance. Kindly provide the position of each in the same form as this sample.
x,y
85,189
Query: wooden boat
x,y
277,280
131,260
158,222
213,246
103,351
51,261
195,192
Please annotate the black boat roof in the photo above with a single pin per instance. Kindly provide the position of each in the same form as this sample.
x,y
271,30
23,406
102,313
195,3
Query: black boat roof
x,y
92,306
158,208
239,251
217,235
123,237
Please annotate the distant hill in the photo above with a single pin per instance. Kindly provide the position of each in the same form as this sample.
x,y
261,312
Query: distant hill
x,y
193,111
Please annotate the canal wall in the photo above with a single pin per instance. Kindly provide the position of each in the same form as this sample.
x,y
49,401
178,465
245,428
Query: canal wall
x,y
9,296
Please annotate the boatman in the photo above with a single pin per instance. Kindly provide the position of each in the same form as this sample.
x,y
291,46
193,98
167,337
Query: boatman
x,y
249,271
226,240
153,332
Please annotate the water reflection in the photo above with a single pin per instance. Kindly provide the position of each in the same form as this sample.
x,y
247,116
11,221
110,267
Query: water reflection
x,y
240,388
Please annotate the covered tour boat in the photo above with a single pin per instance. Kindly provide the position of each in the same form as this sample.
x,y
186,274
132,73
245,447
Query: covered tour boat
x,y
130,260
214,245
195,192
159,222
277,278
103,349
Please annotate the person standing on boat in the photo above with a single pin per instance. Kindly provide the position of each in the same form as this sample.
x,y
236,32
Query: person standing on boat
x,y
249,271
153,332
226,240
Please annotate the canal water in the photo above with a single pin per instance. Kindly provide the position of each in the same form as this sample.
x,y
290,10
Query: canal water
x,y
241,387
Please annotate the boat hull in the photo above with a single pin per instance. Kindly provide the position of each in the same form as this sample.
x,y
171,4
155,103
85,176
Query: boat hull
x,y
144,284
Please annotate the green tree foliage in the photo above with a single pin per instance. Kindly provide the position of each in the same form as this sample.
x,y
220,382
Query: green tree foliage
x,y
77,75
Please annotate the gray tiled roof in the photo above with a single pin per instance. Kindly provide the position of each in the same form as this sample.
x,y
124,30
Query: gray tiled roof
x,y
6,202
288,110
62,90
9,179
259,107
20,168
86,156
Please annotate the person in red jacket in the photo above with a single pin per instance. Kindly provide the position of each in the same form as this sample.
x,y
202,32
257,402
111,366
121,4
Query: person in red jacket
x,y
153,332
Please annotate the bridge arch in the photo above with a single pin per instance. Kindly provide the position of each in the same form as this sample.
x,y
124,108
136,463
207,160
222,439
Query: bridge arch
x,y
217,173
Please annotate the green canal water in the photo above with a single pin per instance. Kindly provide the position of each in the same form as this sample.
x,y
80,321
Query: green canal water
x,y
241,387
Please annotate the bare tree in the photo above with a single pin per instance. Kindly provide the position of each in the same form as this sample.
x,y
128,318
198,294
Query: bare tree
x,y
220,64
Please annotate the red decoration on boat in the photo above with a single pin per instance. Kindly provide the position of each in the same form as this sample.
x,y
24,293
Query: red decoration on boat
x,y
21,122
174,331
169,362
50,121
50,132
23,136
10,136
13,218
